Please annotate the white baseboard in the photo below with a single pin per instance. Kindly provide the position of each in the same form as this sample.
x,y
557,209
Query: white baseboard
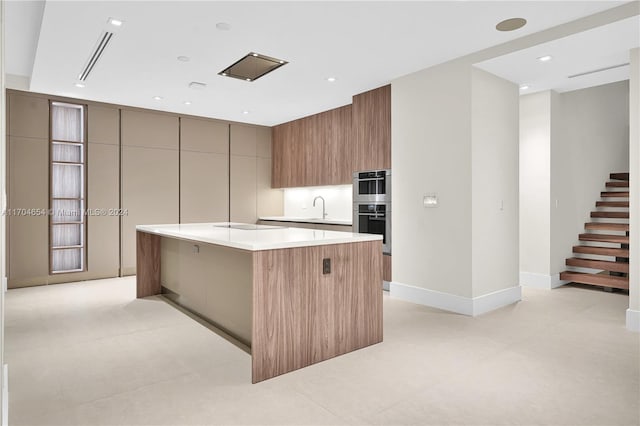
x,y
497,299
453,303
542,281
5,395
633,320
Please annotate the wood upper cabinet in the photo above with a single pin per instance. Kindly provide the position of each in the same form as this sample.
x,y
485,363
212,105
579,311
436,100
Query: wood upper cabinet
x,y
326,148
313,150
372,129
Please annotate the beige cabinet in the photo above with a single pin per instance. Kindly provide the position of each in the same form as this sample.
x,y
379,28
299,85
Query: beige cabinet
x,y
204,171
149,176
250,178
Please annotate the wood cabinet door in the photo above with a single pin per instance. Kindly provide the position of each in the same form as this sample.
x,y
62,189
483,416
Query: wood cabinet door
x,y
372,129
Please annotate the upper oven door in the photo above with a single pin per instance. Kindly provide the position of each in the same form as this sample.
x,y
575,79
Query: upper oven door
x,y
372,186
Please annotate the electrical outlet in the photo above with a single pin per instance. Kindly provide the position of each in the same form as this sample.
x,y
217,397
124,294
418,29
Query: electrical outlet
x,y
326,266
196,248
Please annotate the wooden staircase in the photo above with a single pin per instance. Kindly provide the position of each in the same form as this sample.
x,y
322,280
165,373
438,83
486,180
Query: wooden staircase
x,y
605,238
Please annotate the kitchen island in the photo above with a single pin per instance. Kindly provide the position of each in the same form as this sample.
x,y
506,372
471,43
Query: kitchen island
x,y
295,296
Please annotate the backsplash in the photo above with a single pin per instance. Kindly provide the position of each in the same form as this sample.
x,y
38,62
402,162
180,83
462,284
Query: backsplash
x,y
298,202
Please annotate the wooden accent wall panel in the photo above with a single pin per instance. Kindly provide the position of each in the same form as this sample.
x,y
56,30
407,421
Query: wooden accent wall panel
x,y
313,150
301,316
148,264
372,129
386,267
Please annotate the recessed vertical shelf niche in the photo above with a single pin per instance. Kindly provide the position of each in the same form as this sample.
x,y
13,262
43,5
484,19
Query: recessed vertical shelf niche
x,y
67,189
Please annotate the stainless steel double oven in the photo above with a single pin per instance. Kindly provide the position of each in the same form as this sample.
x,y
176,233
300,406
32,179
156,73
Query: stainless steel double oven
x,y
372,204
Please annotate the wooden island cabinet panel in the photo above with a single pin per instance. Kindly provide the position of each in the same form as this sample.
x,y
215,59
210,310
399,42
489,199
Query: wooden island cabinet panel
x,y
372,129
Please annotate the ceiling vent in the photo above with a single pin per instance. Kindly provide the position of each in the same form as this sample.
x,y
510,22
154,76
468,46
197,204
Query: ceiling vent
x,y
195,85
252,67
599,70
103,42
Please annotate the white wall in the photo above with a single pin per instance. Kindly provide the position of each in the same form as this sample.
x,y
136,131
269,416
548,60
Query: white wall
x,y
569,144
592,141
535,185
494,183
633,313
431,153
3,273
298,202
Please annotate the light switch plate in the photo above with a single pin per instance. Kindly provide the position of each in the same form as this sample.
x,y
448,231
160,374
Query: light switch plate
x,y
430,200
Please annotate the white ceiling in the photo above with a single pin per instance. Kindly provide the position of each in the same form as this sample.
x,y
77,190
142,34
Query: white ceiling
x,y
363,44
591,50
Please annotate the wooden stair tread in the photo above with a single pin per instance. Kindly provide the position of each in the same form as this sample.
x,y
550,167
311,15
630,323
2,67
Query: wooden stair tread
x,y
607,226
598,264
612,204
605,238
619,176
596,279
615,194
603,251
616,215
618,184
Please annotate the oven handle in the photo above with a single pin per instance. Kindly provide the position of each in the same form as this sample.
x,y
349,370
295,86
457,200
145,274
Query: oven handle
x,y
369,179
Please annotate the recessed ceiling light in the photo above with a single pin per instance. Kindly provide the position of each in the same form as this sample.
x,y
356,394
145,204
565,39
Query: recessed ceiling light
x,y
245,112
187,102
545,58
224,74
524,87
183,58
248,79
254,54
157,98
115,22
196,85
331,79
511,24
223,26
80,85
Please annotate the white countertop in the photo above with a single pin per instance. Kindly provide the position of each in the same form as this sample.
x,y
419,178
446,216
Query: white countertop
x,y
257,237
307,220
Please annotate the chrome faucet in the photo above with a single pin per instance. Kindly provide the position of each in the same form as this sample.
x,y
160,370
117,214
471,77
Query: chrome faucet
x,y
324,213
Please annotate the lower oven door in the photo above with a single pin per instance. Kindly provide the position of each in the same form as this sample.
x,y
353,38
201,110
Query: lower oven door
x,y
374,218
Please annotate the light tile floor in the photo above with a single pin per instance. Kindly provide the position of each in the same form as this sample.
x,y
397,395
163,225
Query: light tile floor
x,y
91,354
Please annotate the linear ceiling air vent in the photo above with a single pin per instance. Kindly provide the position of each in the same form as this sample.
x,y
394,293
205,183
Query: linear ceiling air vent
x,y
598,70
103,42
252,66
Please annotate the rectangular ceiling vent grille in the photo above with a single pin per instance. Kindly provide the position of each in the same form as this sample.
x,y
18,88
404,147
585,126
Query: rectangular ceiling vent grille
x,y
103,42
599,70
252,66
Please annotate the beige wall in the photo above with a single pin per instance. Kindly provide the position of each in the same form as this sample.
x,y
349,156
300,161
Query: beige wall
x,y
535,183
570,142
455,134
592,140
431,153
494,183
633,315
